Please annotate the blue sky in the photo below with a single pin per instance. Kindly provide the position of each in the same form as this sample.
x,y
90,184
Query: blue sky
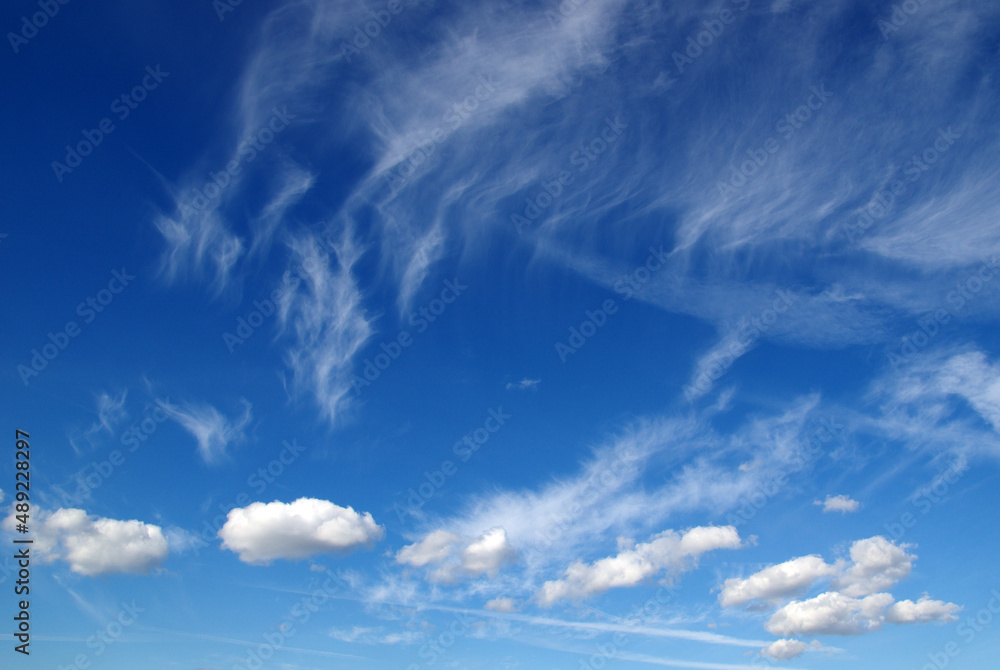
x,y
420,335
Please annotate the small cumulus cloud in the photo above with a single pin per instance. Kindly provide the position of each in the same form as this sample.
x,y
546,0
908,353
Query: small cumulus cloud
x,y
263,532
839,503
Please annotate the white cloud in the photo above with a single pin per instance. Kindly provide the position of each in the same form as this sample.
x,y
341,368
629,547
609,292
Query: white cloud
x,y
877,565
374,636
457,557
436,547
110,413
783,650
855,603
522,385
263,532
328,321
778,581
95,545
502,605
666,551
924,610
839,503
213,431
830,613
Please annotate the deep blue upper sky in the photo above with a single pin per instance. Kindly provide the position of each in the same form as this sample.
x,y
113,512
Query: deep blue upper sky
x,y
504,335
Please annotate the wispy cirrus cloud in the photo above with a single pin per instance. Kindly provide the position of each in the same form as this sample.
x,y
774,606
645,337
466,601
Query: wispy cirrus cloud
x,y
210,428
324,316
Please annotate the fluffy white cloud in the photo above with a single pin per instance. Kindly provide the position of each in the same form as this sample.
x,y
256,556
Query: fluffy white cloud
x,y
213,431
839,503
457,557
95,545
782,650
777,581
263,532
830,613
877,565
668,550
436,547
504,605
856,602
924,610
